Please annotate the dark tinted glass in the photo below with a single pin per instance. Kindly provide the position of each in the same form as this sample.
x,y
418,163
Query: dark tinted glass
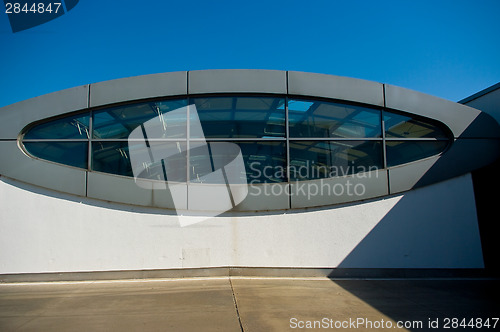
x,y
402,152
214,162
318,119
71,153
168,163
111,157
402,126
119,122
71,127
264,161
159,160
157,139
323,159
239,117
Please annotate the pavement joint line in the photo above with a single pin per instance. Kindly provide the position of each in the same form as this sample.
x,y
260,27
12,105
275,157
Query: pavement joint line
x,y
27,322
236,305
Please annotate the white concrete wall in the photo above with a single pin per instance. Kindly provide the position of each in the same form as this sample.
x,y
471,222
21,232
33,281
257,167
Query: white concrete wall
x,y
45,231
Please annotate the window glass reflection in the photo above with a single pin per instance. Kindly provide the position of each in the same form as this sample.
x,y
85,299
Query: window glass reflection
x,y
264,161
70,127
111,157
402,126
324,159
216,163
159,160
240,117
119,122
318,119
402,152
115,158
352,136
66,153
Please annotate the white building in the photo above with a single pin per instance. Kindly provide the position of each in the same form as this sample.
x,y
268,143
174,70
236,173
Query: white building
x,y
240,171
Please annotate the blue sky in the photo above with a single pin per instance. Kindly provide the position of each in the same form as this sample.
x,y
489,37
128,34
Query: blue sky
x,y
449,49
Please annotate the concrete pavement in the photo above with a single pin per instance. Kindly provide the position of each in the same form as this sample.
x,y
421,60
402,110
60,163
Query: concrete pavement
x,y
248,304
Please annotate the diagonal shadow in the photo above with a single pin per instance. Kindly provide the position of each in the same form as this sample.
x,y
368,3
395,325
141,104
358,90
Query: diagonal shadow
x,y
434,227
428,305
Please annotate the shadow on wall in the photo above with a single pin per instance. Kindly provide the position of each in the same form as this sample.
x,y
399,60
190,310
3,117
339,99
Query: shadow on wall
x,y
467,153
436,226
433,227
485,179
486,183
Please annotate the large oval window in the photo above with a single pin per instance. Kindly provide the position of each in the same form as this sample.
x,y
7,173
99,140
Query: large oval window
x,y
305,138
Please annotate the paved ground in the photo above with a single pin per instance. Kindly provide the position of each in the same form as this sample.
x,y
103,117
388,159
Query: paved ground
x,y
249,304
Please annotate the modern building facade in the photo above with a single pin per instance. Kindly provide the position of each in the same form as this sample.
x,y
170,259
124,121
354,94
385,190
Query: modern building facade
x,y
486,180
240,169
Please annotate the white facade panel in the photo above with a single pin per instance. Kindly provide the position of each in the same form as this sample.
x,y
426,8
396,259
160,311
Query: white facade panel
x,y
13,118
431,227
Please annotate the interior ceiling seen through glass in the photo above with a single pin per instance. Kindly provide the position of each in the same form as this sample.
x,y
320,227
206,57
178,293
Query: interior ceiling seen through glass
x,y
326,138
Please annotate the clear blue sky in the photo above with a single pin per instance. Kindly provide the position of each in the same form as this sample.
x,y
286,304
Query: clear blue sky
x,y
449,49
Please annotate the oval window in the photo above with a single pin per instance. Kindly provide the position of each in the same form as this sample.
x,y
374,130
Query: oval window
x,y
281,139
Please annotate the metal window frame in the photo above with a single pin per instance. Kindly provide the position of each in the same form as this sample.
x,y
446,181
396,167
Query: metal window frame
x,y
287,139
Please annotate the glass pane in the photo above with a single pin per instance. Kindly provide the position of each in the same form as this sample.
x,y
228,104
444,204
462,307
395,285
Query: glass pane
x,y
70,127
169,159
401,126
158,160
239,117
324,159
318,119
119,122
402,152
264,162
111,157
66,153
